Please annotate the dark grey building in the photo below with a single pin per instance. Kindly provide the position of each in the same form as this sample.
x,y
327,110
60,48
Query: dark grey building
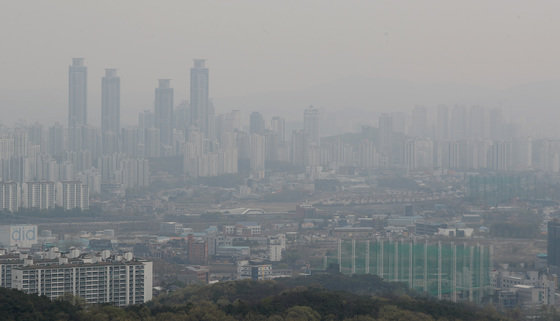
x,y
256,123
199,97
77,93
111,102
311,125
110,110
164,111
553,244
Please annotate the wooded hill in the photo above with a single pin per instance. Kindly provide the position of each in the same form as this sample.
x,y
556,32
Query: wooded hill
x,y
318,297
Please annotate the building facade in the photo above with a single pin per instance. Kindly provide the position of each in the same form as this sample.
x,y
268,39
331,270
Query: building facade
x,y
110,110
77,93
118,283
39,195
164,111
72,194
10,196
553,243
199,94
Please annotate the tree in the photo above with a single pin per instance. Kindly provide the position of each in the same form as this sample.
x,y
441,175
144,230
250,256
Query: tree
x,y
302,313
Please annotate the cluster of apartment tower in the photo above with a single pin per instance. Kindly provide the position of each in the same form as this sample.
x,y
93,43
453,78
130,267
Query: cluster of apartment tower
x,y
112,155
118,158
44,195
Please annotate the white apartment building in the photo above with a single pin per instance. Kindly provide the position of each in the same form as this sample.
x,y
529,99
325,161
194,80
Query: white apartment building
x,y
276,245
134,173
257,155
39,195
72,194
10,196
120,283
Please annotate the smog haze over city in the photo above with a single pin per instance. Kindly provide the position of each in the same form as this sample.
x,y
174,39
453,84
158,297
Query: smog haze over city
x,y
279,160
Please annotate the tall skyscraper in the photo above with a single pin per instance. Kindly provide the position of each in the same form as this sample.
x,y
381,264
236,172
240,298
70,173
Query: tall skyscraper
x,y
256,124
278,126
199,96
77,93
258,156
311,125
164,111
110,111
385,139
146,119
442,126
55,140
111,102
553,244
297,149
458,126
496,123
476,124
419,124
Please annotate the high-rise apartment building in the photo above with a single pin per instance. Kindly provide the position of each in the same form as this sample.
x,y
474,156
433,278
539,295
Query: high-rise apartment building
x,y
72,194
278,126
111,102
77,93
152,145
368,156
164,111
476,124
500,156
385,139
39,195
256,123
258,155
55,140
10,196
495,123
297,148
442,123
418,154
129,141
134,173
199,97
120,283
6,147
311,125
458,125
553,243
419,123
146,119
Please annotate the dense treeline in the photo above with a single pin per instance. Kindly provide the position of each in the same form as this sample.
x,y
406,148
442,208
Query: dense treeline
x,y
320,297
15,305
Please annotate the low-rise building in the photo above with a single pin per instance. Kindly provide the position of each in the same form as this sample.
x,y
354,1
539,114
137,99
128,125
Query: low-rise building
x,y
531,288
253,271
248,229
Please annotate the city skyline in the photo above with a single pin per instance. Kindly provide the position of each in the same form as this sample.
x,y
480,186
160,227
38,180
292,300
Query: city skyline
x,y
366,41
178,151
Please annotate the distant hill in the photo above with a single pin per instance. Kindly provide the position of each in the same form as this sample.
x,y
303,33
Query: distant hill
x,y
318,297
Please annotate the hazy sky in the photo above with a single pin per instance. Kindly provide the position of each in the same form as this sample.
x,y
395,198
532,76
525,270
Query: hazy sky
x,y
261,46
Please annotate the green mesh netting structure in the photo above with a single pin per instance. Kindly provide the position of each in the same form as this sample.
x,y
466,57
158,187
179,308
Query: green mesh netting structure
x,y
457,272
